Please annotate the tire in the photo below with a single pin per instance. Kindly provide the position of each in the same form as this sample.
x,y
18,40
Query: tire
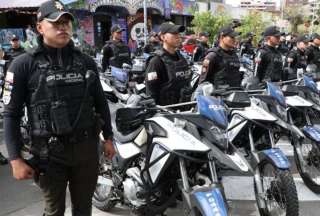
x,y
312,168
281,191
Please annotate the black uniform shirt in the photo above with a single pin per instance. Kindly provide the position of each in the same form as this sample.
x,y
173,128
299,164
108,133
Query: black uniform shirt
x,y
15,95
156,75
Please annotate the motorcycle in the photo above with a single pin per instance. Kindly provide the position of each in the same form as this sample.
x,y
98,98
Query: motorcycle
x,y
303,114
255,131
158,161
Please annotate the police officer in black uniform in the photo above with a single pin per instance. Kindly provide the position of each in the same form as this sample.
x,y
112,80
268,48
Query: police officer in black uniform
x,y
221,65
153,44
14,51
313,53
64,99
297,57
246,46
115,52
202,47
168,74
268,58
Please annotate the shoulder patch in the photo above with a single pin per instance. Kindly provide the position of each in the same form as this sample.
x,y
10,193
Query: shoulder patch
x,y
9,77
152,76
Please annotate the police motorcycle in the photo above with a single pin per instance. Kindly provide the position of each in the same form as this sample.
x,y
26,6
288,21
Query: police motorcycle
x,y
120,83
254,130
303,112
247,67
158,160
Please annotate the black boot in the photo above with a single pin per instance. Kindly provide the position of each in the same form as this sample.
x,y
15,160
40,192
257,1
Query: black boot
x,y
3,160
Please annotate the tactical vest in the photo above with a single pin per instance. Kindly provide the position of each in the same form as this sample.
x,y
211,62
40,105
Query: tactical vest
x,y
274,70
120,54
60,96
229,73
316,56
176,89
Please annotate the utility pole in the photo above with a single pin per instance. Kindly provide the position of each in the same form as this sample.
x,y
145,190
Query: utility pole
x,y
283,3
145,19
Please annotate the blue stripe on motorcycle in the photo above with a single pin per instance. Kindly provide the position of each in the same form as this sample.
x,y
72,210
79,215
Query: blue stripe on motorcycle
x,y
312,133
278,157
212,202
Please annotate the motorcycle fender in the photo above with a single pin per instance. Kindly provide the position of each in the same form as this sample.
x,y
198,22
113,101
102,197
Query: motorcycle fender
x,y
312,133
209,201
275,156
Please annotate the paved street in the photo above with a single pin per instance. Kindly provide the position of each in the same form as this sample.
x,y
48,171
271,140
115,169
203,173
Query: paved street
x,y
24,199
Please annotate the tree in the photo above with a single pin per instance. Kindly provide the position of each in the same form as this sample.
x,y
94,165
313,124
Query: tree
x,y
207,22
296,17
253,22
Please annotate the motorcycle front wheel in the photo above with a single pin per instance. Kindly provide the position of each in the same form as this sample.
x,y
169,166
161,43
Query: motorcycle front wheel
x,y
279,192
310,159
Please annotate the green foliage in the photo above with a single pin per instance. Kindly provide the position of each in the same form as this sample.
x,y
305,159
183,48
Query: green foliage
x,y
296,17
207,22
253,22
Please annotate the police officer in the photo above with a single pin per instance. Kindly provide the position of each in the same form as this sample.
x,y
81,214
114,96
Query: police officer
x,y
115,52
14,51
313,52
297,58
268,58
202,47
221,65
167,74
284,45
153,44
246,46
64,99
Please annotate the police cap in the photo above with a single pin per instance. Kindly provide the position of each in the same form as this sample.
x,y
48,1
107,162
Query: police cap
x,y
52,10
169,27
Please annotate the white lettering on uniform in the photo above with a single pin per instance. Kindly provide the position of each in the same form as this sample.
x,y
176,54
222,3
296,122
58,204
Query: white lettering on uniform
x,y
70,77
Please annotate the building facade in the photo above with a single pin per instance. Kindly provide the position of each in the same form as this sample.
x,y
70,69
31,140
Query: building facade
x,y
263,5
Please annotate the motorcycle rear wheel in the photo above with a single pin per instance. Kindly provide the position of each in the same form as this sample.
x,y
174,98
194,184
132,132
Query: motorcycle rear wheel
x,y
279,191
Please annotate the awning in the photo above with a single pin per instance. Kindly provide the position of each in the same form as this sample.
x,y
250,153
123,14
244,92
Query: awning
x,y
7,4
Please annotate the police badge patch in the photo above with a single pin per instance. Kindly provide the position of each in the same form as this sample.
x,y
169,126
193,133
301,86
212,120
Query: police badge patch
x,y
8,88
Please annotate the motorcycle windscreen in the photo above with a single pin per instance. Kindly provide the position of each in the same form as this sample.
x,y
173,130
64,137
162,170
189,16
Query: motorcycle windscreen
x,y
211,203
119,74
276,93
213,109
309,82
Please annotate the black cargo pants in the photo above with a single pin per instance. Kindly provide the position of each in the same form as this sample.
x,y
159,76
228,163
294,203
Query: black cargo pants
x,y
79,173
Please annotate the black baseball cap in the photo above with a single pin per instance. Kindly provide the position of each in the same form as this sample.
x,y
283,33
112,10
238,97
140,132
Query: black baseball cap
x,y
14,38
206,34
228,31
272,31
52,10
303,38
314,36
250,34
116,28
169,27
